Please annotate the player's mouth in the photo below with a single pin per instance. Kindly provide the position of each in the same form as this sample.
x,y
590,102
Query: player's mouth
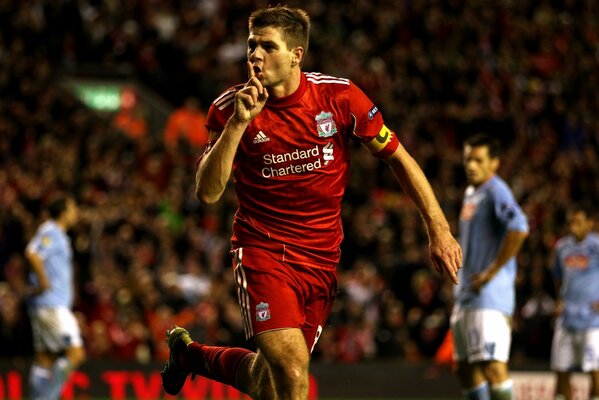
x,y
258,71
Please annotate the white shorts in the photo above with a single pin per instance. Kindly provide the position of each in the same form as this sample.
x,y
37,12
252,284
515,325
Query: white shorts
x,y
54,329
575,350
480,335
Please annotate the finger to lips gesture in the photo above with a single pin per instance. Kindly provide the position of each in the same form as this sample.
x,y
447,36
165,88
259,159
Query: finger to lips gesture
x,y
250,100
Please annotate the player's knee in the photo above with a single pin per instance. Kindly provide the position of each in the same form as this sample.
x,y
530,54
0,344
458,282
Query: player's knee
x,y
292,368
76,356
496,372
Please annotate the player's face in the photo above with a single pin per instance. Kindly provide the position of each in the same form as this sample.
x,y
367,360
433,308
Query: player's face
x,y
271,58
71,213
579,224
479,166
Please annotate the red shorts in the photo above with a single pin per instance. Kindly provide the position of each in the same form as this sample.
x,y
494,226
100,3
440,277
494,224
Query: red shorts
x,y
274,294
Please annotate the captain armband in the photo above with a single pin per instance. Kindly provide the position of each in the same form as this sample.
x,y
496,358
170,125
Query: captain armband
x,y
384,144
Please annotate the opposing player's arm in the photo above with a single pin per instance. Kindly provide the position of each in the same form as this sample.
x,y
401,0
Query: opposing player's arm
x,y
446,253
509,248
37,266
559,301
556,271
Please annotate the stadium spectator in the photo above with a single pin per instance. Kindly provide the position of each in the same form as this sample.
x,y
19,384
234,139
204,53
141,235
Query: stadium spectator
x,y
187,124
131,121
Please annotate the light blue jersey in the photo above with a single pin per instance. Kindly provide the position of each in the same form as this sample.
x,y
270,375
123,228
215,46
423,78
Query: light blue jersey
x,y
488,213
53,246
576,264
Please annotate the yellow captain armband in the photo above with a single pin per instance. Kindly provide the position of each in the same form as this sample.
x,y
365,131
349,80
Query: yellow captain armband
x,y
384,144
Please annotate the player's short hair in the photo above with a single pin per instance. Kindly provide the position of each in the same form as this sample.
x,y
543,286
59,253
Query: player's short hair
x,y
581,206
488,141
57,205
293,22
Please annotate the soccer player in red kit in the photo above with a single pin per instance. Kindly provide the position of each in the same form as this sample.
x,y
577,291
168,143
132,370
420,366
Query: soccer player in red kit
x,y
286,136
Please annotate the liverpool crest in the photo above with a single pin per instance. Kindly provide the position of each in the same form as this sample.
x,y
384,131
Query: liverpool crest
x,y
325,124
262,312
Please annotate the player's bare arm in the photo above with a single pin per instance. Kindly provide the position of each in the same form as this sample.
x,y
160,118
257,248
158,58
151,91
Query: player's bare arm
x,y
215,167
511,245
446,253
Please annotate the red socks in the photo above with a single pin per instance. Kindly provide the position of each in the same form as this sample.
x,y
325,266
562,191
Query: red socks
x,y
214,362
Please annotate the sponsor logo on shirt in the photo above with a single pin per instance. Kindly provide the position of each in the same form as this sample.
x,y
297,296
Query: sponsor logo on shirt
x,y
325,124
471,204
327,153
261,138
576,261
262,312
468,211
297,161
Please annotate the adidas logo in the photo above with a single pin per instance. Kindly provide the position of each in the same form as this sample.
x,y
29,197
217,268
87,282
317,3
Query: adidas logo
x,y
261,138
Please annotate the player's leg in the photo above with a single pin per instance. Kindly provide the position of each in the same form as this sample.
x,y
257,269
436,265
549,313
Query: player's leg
x,y
269,301
472,380
262,375
72,350
186,357
487,337
255,378
284,354
491,349
498,376
562,386
590,361
40,374
563,359
287,360
594,385
45,346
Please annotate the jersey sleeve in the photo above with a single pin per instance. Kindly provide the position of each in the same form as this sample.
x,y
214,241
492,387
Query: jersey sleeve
x,y
41,245
369,126
218,114
508,212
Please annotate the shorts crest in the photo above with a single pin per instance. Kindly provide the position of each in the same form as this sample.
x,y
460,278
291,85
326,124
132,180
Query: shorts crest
x,y
262,312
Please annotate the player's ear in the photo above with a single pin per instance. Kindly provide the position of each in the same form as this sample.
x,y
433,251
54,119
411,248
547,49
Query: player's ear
x,y
297,55
495,164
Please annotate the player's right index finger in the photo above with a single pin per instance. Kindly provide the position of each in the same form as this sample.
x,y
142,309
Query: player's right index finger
x,y
251,70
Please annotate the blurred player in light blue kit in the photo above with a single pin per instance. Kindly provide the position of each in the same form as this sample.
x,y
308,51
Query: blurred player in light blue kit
x,y
492,230
576,271
56,336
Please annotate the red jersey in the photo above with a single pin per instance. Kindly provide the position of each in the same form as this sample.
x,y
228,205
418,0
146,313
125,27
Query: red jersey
x,y
291,168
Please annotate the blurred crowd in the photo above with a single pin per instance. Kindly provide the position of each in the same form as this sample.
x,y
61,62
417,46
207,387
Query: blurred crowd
x,y
148,255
